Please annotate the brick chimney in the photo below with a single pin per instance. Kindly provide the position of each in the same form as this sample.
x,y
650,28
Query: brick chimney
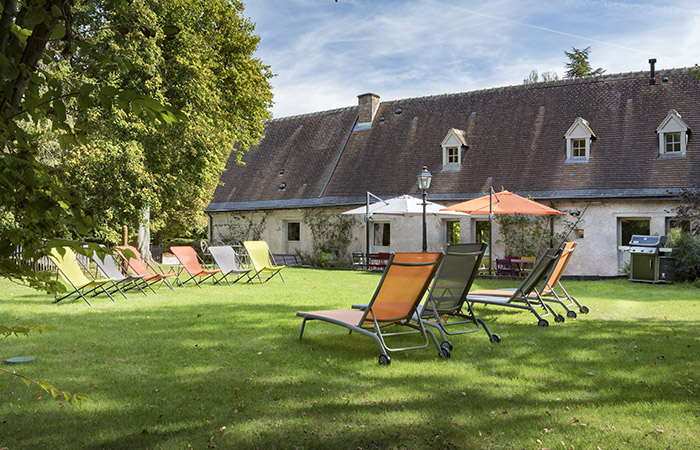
x,y
368,106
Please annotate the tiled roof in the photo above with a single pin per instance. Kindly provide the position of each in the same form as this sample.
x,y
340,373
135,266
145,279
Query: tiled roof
x,y
515,139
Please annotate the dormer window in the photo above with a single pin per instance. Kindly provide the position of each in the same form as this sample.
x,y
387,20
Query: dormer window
x,y
673,135
578,141
453,149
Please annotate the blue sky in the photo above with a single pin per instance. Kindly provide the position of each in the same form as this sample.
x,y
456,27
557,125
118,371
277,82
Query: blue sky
x,y
325,53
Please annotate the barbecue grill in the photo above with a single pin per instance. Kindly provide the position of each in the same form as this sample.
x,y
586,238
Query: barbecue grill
x,y
650,261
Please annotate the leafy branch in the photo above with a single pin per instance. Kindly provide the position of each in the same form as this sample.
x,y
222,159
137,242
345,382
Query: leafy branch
x,y
56,393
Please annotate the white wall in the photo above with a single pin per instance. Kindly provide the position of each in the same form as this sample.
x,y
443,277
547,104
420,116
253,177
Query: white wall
x,y
596,253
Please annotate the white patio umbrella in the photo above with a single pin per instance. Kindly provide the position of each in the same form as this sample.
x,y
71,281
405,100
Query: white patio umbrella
x,y
404,205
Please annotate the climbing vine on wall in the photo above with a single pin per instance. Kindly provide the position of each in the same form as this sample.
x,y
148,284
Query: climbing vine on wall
x,y
331,235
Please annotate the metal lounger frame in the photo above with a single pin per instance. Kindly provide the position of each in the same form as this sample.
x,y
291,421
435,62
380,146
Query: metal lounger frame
x,y
520,299
378,335
430,309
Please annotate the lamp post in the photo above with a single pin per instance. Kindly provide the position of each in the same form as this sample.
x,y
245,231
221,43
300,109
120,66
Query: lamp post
x,y
423,184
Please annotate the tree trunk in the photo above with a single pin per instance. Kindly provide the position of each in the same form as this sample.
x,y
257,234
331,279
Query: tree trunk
x,y
144,239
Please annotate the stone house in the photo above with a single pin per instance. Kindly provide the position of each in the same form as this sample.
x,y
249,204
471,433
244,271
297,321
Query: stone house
x,y
617,148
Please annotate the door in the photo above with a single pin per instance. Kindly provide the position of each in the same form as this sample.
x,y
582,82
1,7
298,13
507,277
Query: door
x,y
381,237
482,235
626,228
292,236
452,232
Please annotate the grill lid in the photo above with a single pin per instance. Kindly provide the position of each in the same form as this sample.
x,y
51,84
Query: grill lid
x,y
647,241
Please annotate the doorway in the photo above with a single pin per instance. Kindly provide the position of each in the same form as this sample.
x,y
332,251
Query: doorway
x,y
626,228
292,238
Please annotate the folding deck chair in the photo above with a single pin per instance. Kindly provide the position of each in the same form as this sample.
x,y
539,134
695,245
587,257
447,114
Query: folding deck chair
x,y
400,290
136,265
109,267
225,257
70,271
259,253
192,264
448,294
521,297
549,293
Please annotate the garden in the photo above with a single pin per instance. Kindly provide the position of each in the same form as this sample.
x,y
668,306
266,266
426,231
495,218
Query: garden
x,y
222,367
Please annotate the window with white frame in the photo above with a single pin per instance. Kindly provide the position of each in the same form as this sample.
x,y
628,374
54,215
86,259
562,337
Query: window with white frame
x,y
578,148
453,156
453,146
673,135
578,141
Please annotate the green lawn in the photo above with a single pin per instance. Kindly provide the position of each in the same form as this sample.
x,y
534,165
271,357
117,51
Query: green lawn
x,y
223,367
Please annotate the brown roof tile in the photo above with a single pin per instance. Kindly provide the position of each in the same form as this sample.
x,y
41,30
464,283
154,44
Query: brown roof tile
x,y
515,138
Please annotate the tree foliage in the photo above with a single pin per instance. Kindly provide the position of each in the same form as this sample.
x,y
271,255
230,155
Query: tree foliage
x,y
206,70
578,65
528,234
544,77
85,89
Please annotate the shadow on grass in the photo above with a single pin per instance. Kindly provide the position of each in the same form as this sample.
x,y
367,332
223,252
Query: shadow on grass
x,y
168,371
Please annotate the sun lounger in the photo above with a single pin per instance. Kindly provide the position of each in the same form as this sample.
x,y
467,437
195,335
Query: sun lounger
x,y
400,290
259,253
192,264
136,265
108,266
225,257
521,297
448,294
549,291
69,269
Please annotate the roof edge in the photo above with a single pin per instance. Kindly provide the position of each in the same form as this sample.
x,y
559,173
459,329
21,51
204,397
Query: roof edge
x,y
568,195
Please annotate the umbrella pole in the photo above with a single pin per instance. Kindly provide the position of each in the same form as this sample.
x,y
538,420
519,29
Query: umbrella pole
x,y
367,234
490,231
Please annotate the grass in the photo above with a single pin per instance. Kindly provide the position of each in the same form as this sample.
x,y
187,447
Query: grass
x,y
222,367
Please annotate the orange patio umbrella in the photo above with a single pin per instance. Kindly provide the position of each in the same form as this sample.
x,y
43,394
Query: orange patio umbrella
x,y
503,202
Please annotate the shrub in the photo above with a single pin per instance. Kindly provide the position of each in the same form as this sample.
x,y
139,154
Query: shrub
x,y
687,254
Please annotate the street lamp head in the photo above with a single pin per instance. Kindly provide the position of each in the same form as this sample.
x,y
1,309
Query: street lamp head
x,y
424,179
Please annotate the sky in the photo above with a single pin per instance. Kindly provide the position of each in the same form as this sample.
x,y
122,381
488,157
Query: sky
x,y
324,53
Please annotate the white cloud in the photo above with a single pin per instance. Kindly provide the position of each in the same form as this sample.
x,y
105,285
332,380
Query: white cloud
x,y
326,53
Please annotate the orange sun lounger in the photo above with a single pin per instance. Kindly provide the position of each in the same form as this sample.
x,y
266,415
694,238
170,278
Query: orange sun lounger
x,y
136,265
400,291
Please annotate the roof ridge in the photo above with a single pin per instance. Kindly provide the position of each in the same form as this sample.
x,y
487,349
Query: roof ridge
x,y
562,82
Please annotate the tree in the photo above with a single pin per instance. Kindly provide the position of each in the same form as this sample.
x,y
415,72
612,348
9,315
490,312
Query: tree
x,y
37,42
207,70
578,65
534,77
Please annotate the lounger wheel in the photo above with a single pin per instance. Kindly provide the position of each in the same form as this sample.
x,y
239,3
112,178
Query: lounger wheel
x,y
444,352
571,314
584,309
543,323
559,318
384,360
495,338
447,345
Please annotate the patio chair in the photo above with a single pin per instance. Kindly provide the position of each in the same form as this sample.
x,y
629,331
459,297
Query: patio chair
x,y
447,297
69,269
136,265
395,300
225,257
521,297
109,267
259,254
192,264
